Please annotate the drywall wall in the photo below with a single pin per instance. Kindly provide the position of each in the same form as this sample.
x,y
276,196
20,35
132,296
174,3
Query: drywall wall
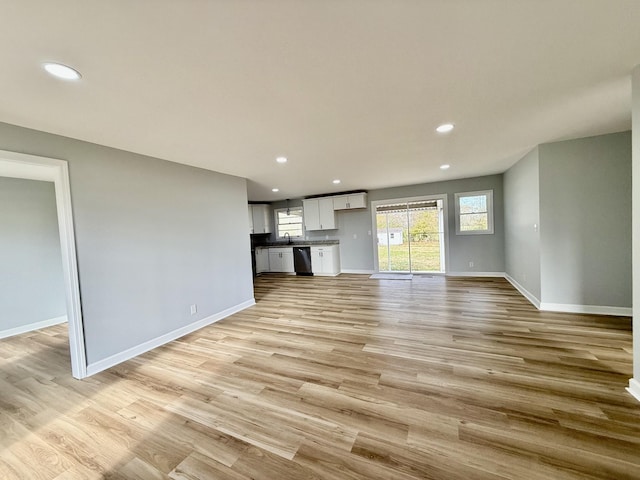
x,y
152,237
635,113
31,281
485,251
585,218
522,224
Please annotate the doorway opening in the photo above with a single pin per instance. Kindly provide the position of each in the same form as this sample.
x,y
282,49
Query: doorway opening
x,y
410,235
30,167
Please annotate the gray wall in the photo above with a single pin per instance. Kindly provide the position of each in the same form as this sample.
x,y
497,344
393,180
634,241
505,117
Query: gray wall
x,y
486,251
152,238
522,223
585,218
355,227
31,282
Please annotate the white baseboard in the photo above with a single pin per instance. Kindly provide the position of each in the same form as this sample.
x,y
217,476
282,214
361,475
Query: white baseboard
x,y
132,352
357,272
634,388
570,308
587,309
476,274
33,326
526,293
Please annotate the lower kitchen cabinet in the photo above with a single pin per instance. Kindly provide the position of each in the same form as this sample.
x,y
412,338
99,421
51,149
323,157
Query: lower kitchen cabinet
x,y
280,260
262,260
325,260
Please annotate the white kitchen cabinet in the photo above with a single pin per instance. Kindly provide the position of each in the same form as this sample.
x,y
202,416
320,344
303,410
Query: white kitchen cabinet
x,y
348,202
262,259
281,260
250,219
325,260
319,214
260,214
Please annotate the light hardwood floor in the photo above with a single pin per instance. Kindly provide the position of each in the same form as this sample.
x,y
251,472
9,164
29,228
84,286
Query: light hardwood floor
x,y
337,378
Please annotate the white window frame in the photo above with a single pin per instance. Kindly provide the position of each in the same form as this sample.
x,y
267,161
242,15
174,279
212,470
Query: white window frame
x,y
490,229
277,225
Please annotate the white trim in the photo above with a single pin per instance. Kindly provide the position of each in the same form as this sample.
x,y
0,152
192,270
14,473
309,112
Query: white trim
x,y
587,309
32,326
526,293
357,272
19,165
634,388
476,274
567,307
132,352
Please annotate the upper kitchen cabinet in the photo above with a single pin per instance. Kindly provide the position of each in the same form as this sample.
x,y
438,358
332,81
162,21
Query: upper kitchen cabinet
x,y
319,214
259,218
348,202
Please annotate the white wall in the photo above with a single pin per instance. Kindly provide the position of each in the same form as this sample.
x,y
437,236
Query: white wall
x,y
31,282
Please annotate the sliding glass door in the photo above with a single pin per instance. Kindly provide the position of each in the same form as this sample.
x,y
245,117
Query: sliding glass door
x,y
410,236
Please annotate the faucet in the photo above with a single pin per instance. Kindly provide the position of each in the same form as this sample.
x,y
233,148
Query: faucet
x,y
288,237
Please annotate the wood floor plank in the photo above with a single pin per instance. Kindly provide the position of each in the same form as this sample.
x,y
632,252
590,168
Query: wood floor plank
x,y
337,378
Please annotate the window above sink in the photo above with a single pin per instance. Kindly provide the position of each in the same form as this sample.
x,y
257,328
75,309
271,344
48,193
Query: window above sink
x,y
289,220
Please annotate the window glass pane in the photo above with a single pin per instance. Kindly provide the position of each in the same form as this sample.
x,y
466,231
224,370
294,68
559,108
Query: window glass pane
x,y
475,204
290,223
474,221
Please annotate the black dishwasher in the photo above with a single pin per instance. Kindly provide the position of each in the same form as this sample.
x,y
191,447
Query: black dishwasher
x,y
302,260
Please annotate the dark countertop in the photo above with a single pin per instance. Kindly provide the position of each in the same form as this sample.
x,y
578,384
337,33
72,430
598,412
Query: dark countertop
x,y
300,243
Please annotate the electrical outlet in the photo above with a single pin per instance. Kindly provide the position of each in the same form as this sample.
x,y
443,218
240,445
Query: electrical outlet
x,y
355,236
471,264
194,309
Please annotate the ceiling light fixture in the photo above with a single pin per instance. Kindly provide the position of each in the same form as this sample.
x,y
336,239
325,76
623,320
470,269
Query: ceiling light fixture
x,y
281,159
275,190
336,181
445,128
446,166
62,71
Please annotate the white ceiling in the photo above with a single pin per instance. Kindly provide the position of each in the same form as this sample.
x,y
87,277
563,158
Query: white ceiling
x,y
349,89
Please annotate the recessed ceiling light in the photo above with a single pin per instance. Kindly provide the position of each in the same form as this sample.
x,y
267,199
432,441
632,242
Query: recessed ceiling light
x,y
445,128
275,189
336,181
281,159
62,71
446,166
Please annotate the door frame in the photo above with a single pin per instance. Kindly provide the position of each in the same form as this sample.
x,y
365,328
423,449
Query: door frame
x,y
445,221
31,167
